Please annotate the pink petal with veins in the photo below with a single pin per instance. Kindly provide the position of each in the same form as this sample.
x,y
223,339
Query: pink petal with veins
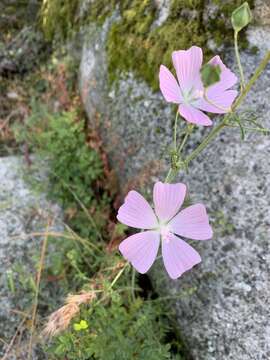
x,y
193,115
169,86
192,223
168,198
187,64
137,212
178,256
141,249
227,77
222,100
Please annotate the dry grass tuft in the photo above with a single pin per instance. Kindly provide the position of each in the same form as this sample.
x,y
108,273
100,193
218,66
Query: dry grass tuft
x,y
61,318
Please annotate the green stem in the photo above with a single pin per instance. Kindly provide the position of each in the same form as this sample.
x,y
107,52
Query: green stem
x,y
206,141
118,276
251,82
258,129
175,130
237,55
133,276
213,133
183,142
172,173
188,131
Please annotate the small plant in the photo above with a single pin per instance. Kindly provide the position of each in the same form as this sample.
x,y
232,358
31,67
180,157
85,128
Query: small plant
x,y
115,330
74,168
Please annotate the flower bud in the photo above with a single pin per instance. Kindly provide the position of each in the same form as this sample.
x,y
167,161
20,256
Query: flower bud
x,y
210,74
241,17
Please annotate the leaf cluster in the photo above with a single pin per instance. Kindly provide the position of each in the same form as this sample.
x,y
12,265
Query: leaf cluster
x,y
116,332
74,167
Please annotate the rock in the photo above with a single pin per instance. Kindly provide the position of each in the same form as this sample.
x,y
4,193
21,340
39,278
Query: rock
x,y
15,14
262,12
227,316
163,7
25,51
22,211
121,111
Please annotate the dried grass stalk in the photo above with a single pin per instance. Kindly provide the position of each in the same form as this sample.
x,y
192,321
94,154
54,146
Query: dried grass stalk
x,y
61,318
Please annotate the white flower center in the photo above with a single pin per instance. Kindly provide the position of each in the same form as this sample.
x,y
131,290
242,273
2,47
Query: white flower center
x,y
193,95
165,232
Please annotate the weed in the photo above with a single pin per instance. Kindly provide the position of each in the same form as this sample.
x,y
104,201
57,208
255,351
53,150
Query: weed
x,y
115,330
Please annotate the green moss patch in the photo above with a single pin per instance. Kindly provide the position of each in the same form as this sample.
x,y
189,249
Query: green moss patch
x,y
134,43
58,17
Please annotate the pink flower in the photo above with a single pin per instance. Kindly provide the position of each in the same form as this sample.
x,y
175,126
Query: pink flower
x,y
189,92
162,224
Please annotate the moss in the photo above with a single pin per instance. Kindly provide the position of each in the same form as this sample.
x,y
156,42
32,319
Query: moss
x,y
128,41
98,11
58,17
135,44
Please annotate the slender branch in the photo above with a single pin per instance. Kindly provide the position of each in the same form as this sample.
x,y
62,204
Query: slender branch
x,y
251,82
258,129
188,132
206,141
133,278
175,130
118,276
172,173
237,55
41,265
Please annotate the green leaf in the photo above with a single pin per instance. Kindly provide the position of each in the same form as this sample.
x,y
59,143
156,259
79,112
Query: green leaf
x,y
210,74
82,325
241,17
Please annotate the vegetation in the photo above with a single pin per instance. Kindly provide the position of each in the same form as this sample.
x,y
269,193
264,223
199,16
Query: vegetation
x,y
112,315
117,331
109,316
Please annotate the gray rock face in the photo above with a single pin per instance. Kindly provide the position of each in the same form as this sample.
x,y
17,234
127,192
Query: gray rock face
x,y
227,317
262,12
128,115
22,211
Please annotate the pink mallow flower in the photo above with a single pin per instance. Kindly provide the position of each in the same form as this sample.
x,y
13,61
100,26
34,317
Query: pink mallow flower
x,y
189,91
164,223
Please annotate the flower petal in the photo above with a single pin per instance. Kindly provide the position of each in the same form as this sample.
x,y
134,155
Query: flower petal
x,y
227,77
178,256
222,100
194,116
192,223
187,64
141,249
169,86
136,212
168,199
